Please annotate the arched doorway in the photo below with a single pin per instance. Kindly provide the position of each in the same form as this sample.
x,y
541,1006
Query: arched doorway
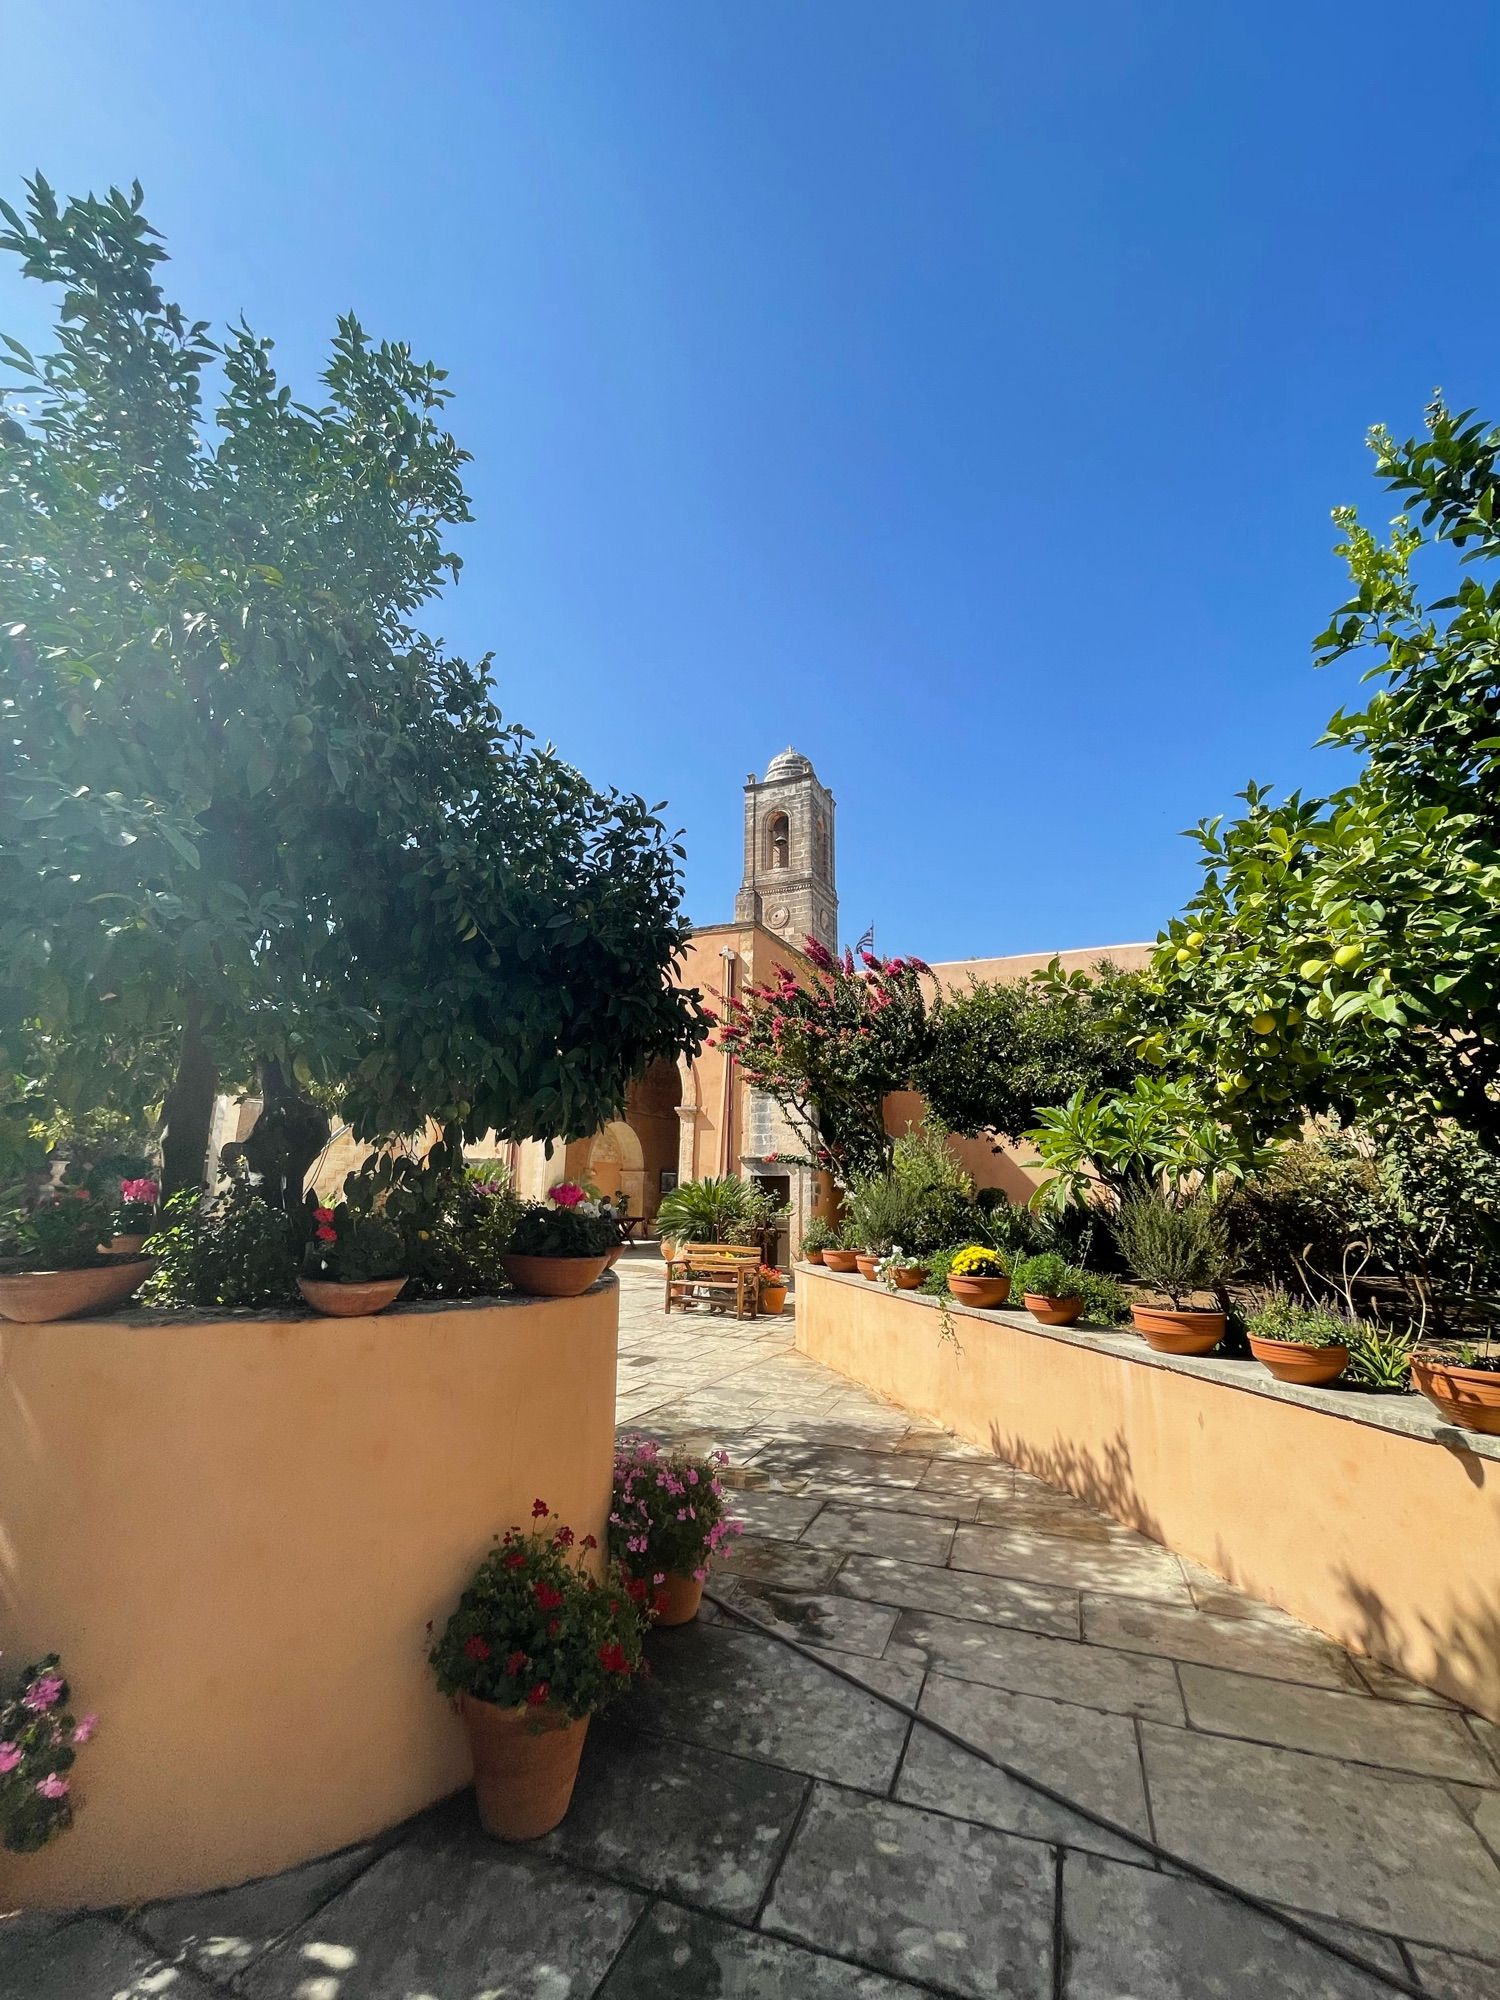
x,y
616,1165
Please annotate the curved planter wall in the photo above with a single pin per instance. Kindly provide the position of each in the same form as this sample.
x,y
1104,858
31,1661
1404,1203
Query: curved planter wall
x,y
1366,1516
235,1531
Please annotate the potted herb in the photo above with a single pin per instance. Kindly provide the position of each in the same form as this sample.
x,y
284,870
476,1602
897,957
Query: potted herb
x,y
666,1524
1175,1248
1298,1343
818,1237
1465,1389
900,1272
51,1265
135,1218
772,1289
353,1262
39,1742
978,1277
560,1246
534,1649
840,1254
1051,1288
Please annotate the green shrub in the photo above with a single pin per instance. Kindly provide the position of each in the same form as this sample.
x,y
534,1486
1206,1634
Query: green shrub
x,y
819,1235
1285,1319
347,1248
1105,1300
1176,1248
1047,1276
235,1254
882,1213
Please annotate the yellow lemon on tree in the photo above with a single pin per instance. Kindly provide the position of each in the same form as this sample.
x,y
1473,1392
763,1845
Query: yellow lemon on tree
x,y
1264,1024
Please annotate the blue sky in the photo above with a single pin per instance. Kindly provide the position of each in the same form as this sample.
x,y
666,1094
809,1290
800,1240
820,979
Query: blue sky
x,y
957,390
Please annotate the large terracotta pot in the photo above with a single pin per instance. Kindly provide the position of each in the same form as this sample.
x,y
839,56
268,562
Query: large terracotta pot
x,y
979,1291
1469,1397
349,1301
773,1299
612,1257
525,1766
128,1246
908,1277
813,1256
839,1260
35,1296
865,1262
1053,1312
679,1598
1171,1331
1295,1361
553,1277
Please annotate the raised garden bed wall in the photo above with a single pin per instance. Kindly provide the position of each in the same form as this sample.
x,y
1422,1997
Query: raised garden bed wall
x,y
1368,1517
235,1531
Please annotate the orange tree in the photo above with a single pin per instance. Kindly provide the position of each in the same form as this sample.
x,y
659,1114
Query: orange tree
x,y
830,1050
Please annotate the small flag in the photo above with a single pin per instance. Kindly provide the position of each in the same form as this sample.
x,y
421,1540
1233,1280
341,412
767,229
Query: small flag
x,y
867,942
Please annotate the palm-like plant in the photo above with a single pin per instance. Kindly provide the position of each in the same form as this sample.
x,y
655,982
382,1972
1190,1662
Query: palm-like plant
x,y
705,1211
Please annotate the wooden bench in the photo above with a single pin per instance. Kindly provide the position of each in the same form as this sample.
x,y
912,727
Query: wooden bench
x,y
715,1274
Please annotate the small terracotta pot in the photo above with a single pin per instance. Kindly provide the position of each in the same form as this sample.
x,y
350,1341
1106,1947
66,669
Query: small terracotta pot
x,y
553,1277
667,1248
525,1766
36,1296
865,1262
1171,1331
350,1301
127,1246
1053,1312
679,1597
1469,1397
980,1291
773,1299
839,1260
909,1277
813,1256
1294,1361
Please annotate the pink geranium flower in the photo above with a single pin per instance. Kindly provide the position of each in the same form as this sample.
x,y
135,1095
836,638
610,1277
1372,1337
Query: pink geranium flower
x,y
567,1194
10,1756
53,1786
85,1729
43,1693
144,1192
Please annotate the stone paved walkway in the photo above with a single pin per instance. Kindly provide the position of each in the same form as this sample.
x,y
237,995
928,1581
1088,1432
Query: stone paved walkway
x,y
754,1826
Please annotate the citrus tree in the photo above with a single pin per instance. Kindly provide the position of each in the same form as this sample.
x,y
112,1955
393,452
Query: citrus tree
x,y
255,823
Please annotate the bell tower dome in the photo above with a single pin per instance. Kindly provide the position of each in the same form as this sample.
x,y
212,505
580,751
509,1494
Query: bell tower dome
x,y
788,883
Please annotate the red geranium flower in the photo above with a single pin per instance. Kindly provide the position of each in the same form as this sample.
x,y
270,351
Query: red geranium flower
x,y
517,1561
635,1590
547,1595
538,1695
538,1509
322,1215
326,1235
612,1658
514,1662
477,1648
563,1539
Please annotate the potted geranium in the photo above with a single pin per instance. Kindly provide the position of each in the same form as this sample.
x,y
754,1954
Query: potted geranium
x,y
1297,1343
1050,1287
899,1272
666,1524
772,1289
818,1237
534,1649
560,1246
51,1262
978,1277
39,1742
1176,1248
1465,1388
135,1218
353,1262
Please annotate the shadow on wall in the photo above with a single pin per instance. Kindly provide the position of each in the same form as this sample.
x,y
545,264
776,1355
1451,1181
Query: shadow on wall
x,y
1108,1484
1457,1656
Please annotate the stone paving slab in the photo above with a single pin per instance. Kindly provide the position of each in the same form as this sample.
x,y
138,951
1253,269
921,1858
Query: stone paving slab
x,y
789,1564
1137,1569
1129,1934
1370,1847
1001,1656
826,1619
912,1538
220,1933
781,1516
960,1906
676,1954
91,1959
673,1817
1173,1632
845,1465
1447,1976
993,1600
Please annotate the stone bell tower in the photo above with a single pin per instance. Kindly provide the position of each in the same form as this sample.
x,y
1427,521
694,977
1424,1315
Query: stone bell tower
x,y
788,884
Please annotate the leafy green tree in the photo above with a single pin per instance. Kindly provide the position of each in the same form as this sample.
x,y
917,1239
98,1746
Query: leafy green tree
x,y
1003,1049
254,822
829,1050
1343,953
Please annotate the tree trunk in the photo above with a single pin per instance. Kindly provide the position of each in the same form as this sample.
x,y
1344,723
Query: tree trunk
x,y
287,1137
189,1109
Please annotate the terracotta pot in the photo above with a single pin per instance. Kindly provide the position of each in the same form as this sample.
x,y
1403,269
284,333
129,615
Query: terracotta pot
x,y
680,1597
1053,1312
35,1296
525,1766
773,1299
612,1257
667,1248
865,1262
1469,1397
909,1277
1294,1361
553,1277
127,1246
1171,1331
980,1291
839,1260
340,1301
813,1256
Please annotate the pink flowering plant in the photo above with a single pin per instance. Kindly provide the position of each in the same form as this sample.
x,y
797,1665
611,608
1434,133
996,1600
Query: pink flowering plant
x,y
39,1743
667,1514
56,1227
534,1629
571,1222
136,1212
830,1047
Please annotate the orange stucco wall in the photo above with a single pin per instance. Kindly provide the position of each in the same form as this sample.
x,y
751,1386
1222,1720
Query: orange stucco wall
x,y
1388,1542
235,1533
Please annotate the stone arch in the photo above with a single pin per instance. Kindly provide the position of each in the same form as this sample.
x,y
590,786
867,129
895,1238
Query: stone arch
x,y
616,1165
778,840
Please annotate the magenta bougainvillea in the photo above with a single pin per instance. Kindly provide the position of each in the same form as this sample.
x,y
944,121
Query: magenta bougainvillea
x,y
831,1047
